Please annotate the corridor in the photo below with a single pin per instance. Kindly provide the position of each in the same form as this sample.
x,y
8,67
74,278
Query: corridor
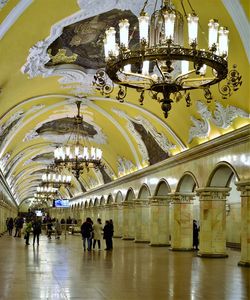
x,y
59,269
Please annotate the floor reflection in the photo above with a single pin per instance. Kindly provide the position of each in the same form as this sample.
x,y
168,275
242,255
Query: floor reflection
x,y
62,270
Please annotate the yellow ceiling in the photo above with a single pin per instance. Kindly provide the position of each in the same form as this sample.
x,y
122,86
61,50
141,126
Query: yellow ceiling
x,y
35,101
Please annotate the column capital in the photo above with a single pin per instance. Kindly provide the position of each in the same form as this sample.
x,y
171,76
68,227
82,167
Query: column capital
x,y
244,187
160,200
178,198
213,193
142,202
127,203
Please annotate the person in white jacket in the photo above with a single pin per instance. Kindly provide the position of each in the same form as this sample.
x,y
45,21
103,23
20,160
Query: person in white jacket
x,y
97,232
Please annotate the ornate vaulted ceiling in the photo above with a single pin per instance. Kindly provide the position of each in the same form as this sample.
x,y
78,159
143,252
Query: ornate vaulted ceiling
x,y
49,53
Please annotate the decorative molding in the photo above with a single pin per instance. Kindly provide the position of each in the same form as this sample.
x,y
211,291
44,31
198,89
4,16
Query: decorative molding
x,y
13,15
4,162
241,22
10,120
74,78
124,166
134,133
38,56
161,140
101,6
222,117
3,3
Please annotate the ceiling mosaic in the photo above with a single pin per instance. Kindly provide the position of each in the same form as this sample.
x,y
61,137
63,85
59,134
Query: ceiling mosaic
x,y
81,43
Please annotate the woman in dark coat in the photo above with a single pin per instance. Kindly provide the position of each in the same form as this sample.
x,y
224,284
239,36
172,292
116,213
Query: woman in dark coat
x,y
107,235
10,225
195,235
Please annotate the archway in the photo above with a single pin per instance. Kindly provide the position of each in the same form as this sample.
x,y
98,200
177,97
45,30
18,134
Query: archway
x,y
213,202
118,197
130,195
224,175
144,192
162,188
184,208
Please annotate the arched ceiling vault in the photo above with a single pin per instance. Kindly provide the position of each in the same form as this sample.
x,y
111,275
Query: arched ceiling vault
x,y
39,84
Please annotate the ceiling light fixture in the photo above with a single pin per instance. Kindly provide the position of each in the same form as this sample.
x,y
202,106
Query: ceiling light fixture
x,y
76,156
51,178
164,62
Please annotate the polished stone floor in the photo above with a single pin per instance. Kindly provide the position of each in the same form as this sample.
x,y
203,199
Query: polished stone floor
x,y
59,269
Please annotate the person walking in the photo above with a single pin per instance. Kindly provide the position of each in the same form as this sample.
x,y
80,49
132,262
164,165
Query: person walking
x,y
19,225
27,231
86,231
58,229
37,229
49,228
97,233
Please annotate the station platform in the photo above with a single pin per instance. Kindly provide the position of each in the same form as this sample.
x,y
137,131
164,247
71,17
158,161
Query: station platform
x,y
60,269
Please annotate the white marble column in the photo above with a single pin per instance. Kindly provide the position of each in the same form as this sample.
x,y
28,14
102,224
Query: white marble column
x,y
159,220
119,221
142,221
244,188
212,234
116,221
107,212
182,222
128,231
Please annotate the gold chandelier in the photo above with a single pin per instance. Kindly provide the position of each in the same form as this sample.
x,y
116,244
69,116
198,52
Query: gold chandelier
x,y
52,178
76,156
164,63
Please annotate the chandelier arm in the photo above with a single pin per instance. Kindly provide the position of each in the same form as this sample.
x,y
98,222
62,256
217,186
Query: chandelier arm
x,y
179,77
137,75
189,3
183,8
158,67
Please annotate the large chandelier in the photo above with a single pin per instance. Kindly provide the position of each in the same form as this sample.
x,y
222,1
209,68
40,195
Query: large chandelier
x,y
50,178
76,156
164,62
46,191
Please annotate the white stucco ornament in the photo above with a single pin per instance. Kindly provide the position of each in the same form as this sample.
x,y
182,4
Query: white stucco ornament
x,y
124,166
222,117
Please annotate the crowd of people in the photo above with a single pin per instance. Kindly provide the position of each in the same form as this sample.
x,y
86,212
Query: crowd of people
x,y
92,233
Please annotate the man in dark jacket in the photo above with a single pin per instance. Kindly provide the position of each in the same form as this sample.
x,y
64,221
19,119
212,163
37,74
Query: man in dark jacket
x,y
86,231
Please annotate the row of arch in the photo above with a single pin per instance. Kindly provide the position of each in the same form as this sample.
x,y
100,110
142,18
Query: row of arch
x,y
220,177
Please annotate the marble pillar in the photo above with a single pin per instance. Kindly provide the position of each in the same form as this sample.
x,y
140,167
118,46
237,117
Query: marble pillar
x,y
128,230
244,188
159,220
142,221
212,234
116,221
182,222
107,212
120,220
